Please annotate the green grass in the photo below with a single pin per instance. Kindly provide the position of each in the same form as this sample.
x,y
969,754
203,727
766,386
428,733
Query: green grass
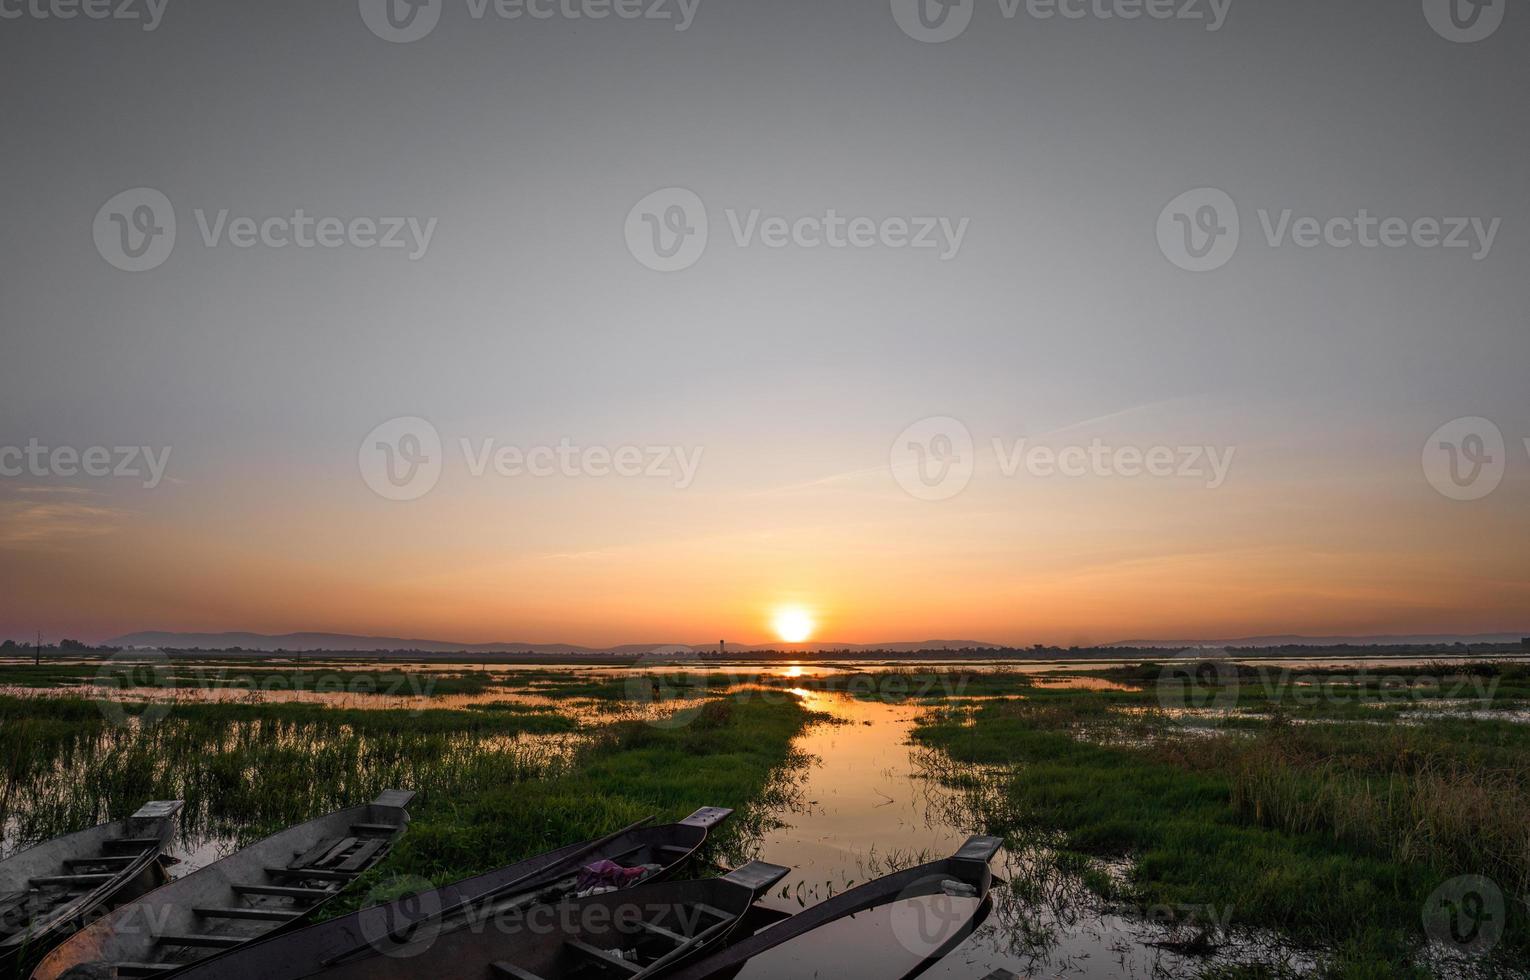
x,y
1295,687
247,770
1334,835
735,753
491,789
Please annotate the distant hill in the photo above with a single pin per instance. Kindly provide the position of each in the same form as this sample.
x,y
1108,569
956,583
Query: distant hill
x,y
1295,640
350,643
347,643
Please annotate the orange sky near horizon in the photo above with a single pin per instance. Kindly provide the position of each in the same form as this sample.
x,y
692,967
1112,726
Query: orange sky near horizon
x,y
1007,561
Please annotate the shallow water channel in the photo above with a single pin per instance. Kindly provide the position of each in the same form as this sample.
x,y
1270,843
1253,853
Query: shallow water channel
x,y
868,805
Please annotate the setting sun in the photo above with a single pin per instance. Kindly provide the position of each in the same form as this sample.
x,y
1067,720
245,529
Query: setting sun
x,y
793,624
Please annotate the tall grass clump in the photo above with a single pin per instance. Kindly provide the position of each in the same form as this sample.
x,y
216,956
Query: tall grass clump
x,y
247,770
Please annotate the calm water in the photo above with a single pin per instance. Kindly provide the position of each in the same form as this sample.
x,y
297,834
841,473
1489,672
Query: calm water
x,y
867,807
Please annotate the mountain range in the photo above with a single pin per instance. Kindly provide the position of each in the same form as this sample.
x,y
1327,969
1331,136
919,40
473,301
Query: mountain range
x,y
351,643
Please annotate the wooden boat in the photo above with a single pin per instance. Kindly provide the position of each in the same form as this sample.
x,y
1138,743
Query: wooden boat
x,y
547,877
965,873
252,892
47,891
634,933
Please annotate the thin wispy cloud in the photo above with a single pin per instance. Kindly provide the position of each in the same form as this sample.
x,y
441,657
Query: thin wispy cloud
x,y
43,523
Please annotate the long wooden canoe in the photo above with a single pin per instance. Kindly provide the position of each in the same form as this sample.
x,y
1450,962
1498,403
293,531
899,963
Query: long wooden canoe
x,y
965,873
631,934
48,891
249,894
546,878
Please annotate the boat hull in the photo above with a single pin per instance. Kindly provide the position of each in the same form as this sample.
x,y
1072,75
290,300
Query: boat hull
x,y
54,889
966,875
650,928
268,886
304,952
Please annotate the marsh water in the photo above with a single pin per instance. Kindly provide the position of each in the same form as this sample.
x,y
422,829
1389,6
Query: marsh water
x,y
871,802
866,802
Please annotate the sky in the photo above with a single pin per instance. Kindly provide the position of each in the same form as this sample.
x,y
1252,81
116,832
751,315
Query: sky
x,y
438,348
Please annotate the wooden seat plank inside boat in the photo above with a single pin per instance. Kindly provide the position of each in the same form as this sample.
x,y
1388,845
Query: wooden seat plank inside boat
x,y
209,941
323,852
604,958
283,891
253,914
71,880
101,861
362,856
310,874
